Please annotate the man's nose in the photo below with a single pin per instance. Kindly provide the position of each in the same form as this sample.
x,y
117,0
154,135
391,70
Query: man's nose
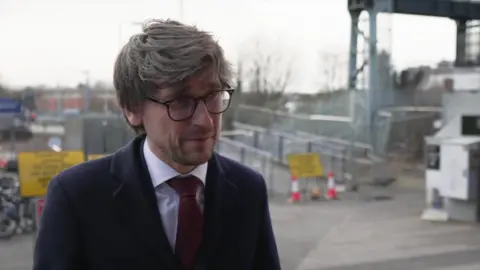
x,y
202,116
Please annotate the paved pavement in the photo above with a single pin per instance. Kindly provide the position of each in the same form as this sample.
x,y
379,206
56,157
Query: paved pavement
x,y
352,233
388,235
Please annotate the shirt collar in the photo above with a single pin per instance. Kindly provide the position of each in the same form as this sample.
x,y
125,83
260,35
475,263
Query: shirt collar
x,y
160,172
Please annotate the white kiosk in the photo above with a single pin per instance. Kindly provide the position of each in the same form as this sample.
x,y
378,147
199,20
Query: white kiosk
x,y
452,171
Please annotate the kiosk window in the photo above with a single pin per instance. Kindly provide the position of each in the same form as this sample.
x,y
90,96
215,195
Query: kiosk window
x,y
433,157
471,125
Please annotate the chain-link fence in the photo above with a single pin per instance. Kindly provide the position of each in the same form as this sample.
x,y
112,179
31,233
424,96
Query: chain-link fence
x,y
276,176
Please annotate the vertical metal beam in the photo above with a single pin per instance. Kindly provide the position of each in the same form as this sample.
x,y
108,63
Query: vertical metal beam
x,y
352,88
372,77
352,62
461,44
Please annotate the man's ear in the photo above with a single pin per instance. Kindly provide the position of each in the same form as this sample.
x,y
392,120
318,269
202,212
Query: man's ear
x,y
133,118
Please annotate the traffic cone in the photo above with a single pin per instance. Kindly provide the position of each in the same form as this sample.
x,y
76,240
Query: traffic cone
x,y
332,191
295,196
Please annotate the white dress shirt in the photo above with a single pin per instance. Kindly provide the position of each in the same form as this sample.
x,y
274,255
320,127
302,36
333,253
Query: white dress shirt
x,y
167,199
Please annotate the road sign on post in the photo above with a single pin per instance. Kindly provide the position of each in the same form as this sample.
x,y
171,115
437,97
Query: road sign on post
x,y
39,210
39,206
10,106
36,169
305,165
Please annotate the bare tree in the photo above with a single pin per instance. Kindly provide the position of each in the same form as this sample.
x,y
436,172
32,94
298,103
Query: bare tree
x,y
267,76
230,115
333,72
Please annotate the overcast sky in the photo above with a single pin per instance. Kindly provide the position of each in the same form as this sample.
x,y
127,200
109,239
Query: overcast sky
x,y
54,41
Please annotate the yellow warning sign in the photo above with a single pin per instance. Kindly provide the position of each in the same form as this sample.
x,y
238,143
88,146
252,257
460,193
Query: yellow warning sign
x,y
94,156
36,169
305,165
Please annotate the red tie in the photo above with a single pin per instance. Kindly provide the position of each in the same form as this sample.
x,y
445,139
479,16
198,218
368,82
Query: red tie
x,y
190,220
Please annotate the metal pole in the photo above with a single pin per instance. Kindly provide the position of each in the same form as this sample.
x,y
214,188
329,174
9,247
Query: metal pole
x,y
373,86
86,92
13,134
373,77
352,86
12,139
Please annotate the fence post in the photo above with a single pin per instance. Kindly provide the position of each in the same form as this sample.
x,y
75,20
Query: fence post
x,y
280,148
242,155
343,163
256,139
309,147
331,163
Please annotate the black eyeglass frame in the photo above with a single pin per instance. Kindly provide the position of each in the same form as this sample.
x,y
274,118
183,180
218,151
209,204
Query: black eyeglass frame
x,y
168,103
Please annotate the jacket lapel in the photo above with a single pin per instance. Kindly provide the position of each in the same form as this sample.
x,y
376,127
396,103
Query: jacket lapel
x,y
220,195
136,205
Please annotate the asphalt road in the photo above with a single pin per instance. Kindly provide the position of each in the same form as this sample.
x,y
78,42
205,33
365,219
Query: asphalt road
x,y
352,233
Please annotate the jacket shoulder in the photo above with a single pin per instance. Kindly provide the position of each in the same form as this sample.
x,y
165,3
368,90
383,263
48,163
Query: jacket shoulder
x,y
85,176
241,175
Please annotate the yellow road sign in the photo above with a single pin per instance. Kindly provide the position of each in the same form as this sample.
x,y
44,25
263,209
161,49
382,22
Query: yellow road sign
x,y
94,156
36,169
305,165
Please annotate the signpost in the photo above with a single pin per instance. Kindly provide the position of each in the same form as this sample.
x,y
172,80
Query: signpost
x,y
39,210
10,106
36,169
305,165
39,206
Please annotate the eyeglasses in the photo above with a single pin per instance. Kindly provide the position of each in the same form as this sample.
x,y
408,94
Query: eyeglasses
x,y
183,108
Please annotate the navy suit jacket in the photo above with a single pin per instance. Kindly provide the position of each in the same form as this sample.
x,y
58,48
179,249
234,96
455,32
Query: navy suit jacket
x,y
103,215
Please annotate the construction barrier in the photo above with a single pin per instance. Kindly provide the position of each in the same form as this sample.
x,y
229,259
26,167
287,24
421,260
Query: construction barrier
x,y
36,169
308,167
344,159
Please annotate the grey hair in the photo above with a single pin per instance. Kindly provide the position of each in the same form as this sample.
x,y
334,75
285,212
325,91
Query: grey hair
x,y
167,52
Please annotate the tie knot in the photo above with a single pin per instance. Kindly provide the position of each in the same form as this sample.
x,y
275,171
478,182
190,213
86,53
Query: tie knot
x,y
185,186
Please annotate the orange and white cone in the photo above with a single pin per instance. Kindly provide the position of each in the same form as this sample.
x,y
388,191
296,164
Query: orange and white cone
x,y
332,191
295,196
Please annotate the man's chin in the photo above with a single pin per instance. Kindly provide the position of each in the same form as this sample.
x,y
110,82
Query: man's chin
x,y
196,157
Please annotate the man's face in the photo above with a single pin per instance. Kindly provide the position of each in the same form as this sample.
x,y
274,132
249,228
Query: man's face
x,y
188,142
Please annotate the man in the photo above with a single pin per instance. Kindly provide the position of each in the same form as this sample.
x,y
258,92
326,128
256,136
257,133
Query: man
x,y
166,200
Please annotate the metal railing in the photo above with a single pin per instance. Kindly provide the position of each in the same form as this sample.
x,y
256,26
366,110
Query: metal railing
x,y
334,153
276,177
